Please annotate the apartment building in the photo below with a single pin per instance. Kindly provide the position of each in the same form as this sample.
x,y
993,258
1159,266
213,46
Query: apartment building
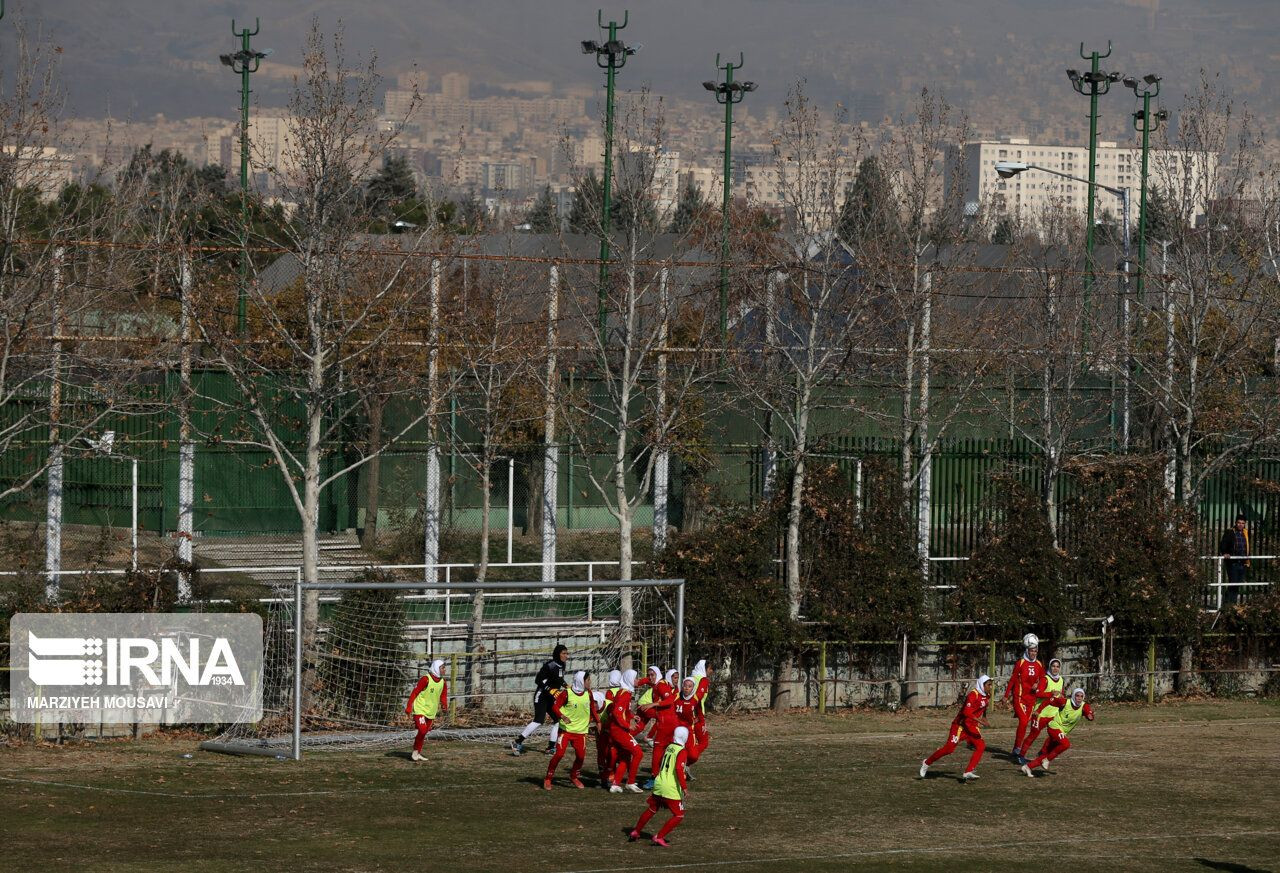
x,y
1027,196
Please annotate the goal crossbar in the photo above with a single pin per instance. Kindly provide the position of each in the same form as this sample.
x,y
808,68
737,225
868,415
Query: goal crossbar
x,y
573,585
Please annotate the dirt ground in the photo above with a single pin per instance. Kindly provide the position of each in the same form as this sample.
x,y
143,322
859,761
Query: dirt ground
x,y
1180,786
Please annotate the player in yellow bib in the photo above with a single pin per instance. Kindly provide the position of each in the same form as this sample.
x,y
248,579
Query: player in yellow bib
x,y
669,788
576,710
1050,688
1070,712
429,698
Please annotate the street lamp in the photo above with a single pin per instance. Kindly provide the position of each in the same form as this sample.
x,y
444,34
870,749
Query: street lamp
x,y
1009,169
727,94
1092,83
1145,122
243,63
611,56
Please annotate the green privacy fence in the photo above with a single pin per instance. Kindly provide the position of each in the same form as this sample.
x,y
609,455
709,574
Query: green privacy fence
x,y
239,490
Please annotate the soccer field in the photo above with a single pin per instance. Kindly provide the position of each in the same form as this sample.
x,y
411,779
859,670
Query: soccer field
x,y
1189,786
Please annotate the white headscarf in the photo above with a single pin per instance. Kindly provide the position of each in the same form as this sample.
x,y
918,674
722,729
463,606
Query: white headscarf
x,y
1053,661
579,682
981,685
699,670
689,694
436,666
598,697
670,677
656,672
1072,698
680,736
615,678
629,680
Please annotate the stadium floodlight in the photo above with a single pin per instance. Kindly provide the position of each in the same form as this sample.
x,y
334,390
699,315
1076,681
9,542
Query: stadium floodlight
x,y
1151,78
1009,169
611,56
727,93
1091,84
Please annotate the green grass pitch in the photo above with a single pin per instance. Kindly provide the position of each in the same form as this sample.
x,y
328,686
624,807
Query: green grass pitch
x,y
1186,786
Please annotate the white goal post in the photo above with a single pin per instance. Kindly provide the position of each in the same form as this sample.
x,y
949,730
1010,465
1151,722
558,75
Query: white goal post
x,y
343,684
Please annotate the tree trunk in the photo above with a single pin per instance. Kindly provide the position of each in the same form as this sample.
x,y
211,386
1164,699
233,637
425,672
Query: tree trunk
x,y
1186,669
475,646
910,689
551,451
533,473
186,446
373,476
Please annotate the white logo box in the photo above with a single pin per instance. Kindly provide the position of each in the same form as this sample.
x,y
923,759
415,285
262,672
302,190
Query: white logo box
x,y
135,668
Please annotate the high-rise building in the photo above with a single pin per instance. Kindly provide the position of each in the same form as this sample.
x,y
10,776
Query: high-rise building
x,y
1028,196
455,86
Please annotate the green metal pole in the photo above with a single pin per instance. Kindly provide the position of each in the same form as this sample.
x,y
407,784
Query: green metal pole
x,y
728,187
245,62
1093,191
606,222
1142,196
241,303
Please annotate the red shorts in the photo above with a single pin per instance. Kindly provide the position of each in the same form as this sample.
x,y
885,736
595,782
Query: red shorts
x,y
656,803
422,723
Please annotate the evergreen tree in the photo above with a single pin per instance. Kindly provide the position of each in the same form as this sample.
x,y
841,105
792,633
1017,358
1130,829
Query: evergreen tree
x,y
471,215
691,209
543,216
391,187
1163,221
1014,580
1003,234
869,212
584,215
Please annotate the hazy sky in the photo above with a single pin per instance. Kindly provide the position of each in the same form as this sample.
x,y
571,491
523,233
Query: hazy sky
x,y
138,57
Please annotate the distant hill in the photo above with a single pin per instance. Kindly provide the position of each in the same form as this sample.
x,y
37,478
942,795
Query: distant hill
x,y
993,58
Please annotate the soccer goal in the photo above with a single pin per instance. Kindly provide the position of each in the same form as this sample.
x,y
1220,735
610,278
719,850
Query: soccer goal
x,y
340,658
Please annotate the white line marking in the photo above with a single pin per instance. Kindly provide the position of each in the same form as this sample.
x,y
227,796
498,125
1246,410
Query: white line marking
x,y
930,850
222,794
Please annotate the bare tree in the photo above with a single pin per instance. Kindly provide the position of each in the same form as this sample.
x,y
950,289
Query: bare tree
x,y
802,336
1209,325
495,361
298,373
621,331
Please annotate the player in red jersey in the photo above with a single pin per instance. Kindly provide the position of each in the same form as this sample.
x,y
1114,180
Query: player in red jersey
x,y
1070,711
967,726
1043,710
576,711
429,698
622,733
662,710
604,745
701,737
648,689
1025,682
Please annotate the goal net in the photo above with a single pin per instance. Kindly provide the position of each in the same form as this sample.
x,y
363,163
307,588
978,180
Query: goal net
x,y
340,659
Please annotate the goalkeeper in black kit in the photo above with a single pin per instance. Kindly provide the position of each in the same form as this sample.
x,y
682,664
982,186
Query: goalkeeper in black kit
x,y
549,681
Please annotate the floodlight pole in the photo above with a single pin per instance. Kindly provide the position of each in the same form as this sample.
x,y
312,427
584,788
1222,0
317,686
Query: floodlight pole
x,y
1093,84
244,62
1145,123
610,57
727,93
